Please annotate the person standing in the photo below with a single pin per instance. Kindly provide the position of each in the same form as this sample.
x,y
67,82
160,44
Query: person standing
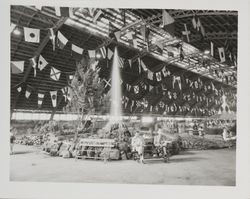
x,y
138,145
12,142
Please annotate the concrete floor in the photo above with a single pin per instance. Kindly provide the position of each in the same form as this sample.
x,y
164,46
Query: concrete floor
x,y
210,167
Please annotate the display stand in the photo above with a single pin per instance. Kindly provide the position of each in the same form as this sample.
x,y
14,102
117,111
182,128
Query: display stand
x,y
105,145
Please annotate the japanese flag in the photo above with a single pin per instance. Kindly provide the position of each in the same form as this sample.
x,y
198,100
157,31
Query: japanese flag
x,y
31,35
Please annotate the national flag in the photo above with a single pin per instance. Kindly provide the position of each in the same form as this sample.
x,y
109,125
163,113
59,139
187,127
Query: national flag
x,y
17,67
64,92
178,80
31,35
186,32
53,95
76,51
97,16
28,91
55,74
150,75
107,83
61,40
165,72
12,27
126,100
91,53
128,87
103,52
168,22
52,37
40,99
158,76
212,48
196,23
33,63
129,36
42,63
19,89
64,11
222,54
121,62
110,53
136,89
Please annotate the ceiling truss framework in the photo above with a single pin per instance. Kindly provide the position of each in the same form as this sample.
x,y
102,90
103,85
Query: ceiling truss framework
x,y
215,22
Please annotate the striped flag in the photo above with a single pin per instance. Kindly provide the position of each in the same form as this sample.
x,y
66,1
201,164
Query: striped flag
x,y
103,52
121,62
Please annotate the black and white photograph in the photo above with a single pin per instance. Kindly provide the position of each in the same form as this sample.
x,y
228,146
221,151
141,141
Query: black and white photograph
x,y
123,95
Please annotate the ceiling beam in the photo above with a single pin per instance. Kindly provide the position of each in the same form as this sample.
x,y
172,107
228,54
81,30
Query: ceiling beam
x,y
190,13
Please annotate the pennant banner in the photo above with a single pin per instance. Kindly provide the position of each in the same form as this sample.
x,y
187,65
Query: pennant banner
x,y
53,95
40,99
42,63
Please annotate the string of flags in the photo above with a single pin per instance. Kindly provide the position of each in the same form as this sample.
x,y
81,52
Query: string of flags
x,y
65,91
39,63
205,99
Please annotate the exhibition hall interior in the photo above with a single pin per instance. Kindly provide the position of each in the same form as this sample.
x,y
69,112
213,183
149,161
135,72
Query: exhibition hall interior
x,y
123,95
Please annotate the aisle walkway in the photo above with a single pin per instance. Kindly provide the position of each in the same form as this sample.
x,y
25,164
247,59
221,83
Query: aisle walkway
x,y
212,167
